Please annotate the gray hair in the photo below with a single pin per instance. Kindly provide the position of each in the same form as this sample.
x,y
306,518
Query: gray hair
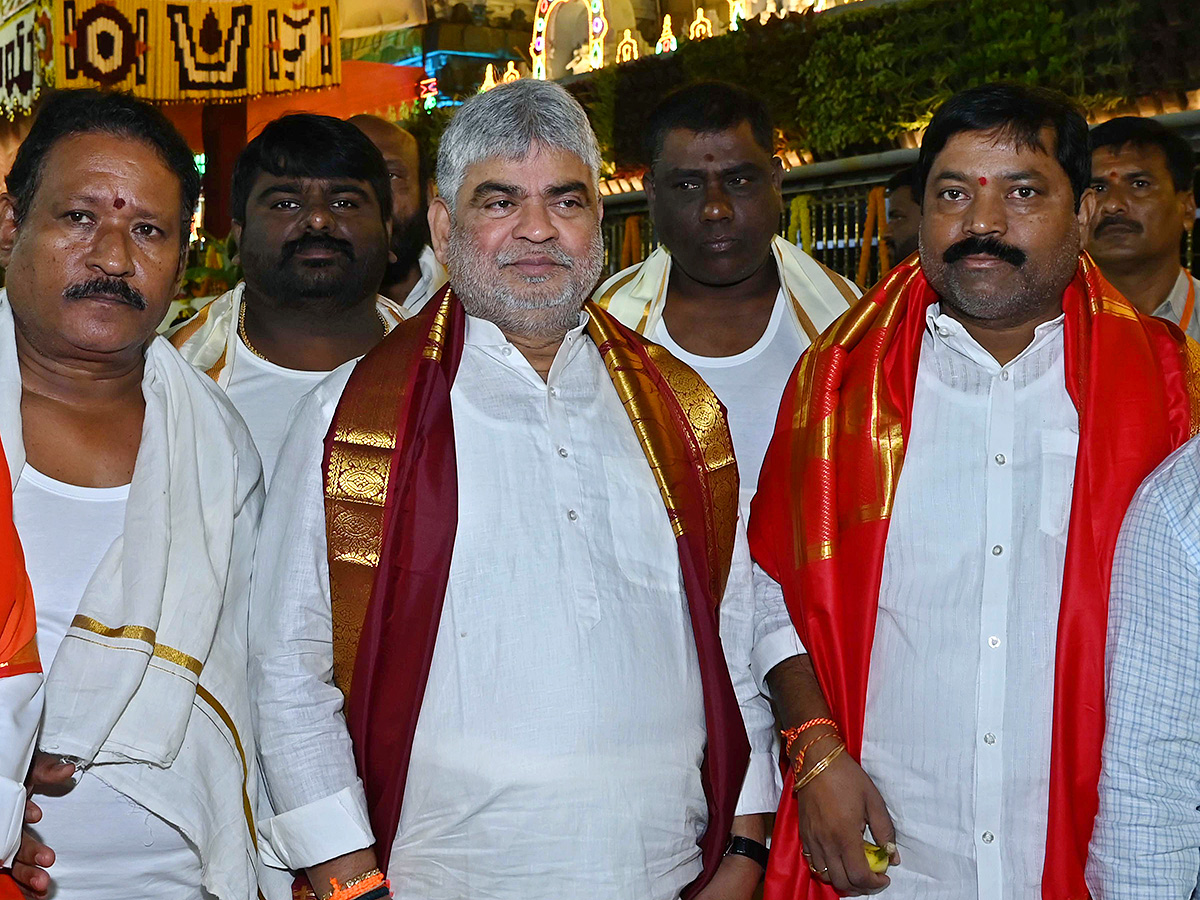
x,y
505,122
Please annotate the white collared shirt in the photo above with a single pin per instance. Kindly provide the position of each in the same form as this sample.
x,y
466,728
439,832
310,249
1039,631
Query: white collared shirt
x,y
559,743
1175,306
433,277
960,698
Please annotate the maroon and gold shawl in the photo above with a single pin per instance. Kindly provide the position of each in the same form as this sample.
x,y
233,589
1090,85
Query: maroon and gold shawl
x,y
391,514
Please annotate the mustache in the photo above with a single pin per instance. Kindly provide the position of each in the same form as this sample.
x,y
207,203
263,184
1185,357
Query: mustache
x,y
985,246
111,287
555,253
317,242
1118,222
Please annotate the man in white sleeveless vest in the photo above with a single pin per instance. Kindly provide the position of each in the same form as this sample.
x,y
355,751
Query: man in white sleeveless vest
x,y
723,292
136,494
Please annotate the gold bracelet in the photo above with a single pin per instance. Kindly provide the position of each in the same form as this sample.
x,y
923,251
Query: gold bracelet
x,y
819,768
360,878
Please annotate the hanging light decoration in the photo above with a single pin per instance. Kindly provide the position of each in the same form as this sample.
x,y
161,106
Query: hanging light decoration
x,y
666,40
627,50
701,26
737,13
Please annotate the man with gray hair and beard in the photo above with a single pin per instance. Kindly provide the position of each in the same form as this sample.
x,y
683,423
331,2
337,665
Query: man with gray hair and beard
x,y
516,562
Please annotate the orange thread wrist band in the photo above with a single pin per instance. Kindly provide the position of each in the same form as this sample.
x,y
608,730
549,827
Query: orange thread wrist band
x,y
358,886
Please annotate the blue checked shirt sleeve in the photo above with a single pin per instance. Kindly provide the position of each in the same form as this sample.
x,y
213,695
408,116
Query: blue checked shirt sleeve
x,y
1146,842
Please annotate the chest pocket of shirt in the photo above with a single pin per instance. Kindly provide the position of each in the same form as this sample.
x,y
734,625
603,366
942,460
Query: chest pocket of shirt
x,y
1060,448
642,538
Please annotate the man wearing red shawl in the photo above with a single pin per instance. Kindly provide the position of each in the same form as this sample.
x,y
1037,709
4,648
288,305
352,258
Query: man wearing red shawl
x,y
517,555
940,503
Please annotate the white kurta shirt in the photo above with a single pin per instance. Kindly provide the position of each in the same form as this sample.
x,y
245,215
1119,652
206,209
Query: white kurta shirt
x,y
959,702
559,744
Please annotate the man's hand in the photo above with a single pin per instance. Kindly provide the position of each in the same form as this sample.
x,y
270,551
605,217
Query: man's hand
x,y
738,876
735,879
34,857
833,809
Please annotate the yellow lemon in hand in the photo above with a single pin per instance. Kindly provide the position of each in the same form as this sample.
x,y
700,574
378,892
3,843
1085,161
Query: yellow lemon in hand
x,y
877,857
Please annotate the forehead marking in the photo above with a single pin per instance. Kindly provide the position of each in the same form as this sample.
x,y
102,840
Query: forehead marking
x,y
982,180
118,203
1112,174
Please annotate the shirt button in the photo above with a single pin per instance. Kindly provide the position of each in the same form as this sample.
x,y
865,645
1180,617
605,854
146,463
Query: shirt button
x,y
1000,459
506,350
997,550
943,331
553,392
562,451
989,739
993,642
572,515
1004,375
988,837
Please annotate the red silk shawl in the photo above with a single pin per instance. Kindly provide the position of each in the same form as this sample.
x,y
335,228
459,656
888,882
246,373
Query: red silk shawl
x,y
820,520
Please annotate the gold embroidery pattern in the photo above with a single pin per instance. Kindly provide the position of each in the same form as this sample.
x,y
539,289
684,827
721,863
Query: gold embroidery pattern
x,y
1192,374
359,473
823,413
143,635
709,438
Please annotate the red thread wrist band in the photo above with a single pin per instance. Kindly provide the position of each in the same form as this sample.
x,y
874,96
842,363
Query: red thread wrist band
x,y
790,735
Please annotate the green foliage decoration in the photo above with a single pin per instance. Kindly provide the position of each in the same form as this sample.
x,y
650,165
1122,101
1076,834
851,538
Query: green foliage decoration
x,y
854,79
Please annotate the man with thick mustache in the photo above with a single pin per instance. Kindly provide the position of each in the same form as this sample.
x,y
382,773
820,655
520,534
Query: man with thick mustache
x,y
510,556
136,494
1143,174
940,505
312,212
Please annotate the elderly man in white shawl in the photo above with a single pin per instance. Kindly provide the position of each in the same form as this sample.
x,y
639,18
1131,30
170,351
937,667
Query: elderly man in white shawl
x,y
136,495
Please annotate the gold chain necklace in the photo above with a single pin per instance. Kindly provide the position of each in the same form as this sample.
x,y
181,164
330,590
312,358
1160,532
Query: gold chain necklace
x,y
254,350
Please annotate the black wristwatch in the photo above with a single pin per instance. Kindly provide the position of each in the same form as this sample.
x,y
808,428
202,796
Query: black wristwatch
x,y
744,846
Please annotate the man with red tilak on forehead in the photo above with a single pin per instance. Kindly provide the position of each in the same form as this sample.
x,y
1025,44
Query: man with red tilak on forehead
x,y
940,504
